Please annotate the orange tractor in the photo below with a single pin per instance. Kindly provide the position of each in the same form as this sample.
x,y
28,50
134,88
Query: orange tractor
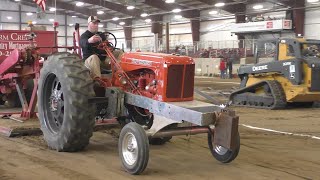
x,y
149,94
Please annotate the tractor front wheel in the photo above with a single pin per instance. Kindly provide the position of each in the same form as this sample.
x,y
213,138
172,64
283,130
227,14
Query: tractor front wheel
x,y
66,117
133,148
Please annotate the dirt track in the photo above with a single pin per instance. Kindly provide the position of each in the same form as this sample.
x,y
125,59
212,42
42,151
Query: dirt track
x,y
263,155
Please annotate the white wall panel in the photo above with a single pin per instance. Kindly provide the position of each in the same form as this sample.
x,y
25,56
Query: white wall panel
x,y
6,26
312,24
6,5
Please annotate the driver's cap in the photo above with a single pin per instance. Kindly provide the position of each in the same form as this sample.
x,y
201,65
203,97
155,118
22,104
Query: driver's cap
x,y
93,19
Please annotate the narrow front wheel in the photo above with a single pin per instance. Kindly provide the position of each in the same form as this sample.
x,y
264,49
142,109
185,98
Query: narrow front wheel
x,y
133,148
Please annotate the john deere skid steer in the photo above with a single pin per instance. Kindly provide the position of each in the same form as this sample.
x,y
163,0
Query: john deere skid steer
x,y
286,71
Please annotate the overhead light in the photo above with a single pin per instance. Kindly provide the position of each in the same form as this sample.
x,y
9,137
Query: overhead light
x,y
79,4
70,24
177,16
122,23
176,10
16,0
100,25
312,1
169,1
148,20
144,15
220,4
34,22
130,7
52,9
213,12
115,19
74,16
9,17
51,20
258,6
29,13
100,12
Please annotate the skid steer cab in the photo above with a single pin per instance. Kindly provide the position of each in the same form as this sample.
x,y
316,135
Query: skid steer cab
x,y
149,94
286,72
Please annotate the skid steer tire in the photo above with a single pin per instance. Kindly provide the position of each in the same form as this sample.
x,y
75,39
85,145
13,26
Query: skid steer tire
x,y
66,117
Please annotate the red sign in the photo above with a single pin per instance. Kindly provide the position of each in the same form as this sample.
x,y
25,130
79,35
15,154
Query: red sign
x,y
286,24
269,25
15,39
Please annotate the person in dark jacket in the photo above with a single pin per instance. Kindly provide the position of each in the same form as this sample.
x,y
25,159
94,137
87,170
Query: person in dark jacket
x,y
94,58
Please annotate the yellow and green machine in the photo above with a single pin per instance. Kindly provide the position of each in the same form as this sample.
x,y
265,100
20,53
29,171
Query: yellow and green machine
x,y
286,71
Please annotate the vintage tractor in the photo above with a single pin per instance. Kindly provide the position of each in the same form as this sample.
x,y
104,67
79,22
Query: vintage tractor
x,y
149,94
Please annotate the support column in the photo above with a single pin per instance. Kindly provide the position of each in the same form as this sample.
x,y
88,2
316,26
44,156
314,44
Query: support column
x,y
167,39
298,16
195,29
66,30
128,34
240,19
20,17
156,27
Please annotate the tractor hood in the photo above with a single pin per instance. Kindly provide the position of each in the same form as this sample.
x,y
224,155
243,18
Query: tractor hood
x,y
152,59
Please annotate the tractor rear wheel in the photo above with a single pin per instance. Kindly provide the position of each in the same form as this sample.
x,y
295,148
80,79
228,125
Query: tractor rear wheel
x,y
66,117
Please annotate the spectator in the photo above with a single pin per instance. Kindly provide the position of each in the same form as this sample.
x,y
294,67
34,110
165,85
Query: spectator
x,y
222,68
183,50
205,53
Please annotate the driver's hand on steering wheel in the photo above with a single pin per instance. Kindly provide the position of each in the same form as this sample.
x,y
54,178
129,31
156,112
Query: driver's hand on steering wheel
x,y
94,39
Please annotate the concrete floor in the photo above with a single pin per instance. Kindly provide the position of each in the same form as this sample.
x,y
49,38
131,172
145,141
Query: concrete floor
x,y
263,154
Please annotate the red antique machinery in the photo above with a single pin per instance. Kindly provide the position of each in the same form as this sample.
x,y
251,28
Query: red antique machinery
x,y
19,71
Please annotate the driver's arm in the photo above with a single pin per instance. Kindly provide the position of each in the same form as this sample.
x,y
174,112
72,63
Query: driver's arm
x,y
84,44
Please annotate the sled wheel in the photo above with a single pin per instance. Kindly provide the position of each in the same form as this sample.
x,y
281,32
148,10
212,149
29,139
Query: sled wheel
x,y
133,148
221,153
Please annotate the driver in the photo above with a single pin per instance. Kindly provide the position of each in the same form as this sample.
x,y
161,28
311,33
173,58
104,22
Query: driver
x,y
94,58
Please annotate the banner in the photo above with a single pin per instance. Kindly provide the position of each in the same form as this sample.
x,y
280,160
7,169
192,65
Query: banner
x,y
15,39
260,26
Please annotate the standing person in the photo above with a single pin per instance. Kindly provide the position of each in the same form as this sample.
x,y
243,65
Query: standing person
x,y
95,58
230,63
222,68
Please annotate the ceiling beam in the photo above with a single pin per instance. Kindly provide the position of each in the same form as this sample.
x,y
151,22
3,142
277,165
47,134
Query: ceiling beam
x,y
212,2
169,7
86,12
115,7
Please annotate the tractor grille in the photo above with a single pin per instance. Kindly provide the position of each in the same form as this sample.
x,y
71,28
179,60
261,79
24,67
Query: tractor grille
x,y
180,81
315,79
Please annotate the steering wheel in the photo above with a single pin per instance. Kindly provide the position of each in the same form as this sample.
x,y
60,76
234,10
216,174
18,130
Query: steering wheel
x,y
110,44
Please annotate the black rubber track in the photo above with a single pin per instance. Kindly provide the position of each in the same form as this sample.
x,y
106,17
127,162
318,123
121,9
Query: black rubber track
x,y
260,101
